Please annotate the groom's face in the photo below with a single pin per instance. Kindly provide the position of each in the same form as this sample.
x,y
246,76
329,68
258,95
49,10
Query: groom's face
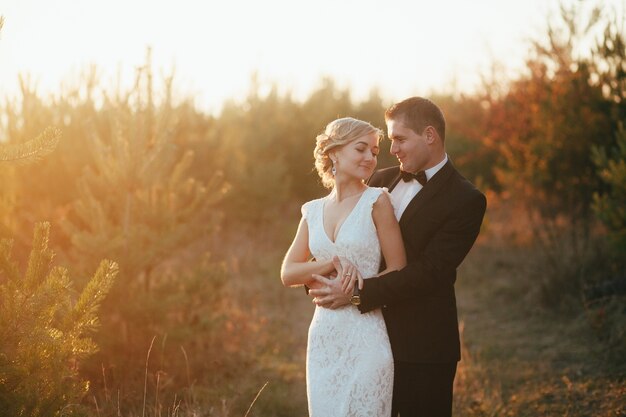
x,y
409,147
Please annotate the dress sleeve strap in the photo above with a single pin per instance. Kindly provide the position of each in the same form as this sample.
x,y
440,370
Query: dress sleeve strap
x,y
372,195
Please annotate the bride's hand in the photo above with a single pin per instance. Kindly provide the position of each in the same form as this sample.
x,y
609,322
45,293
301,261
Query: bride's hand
x,y
355,279
349,274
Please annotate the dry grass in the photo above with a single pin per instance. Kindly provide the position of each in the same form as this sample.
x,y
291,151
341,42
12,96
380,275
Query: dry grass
x,y
521,360
518,359
260,363
283,317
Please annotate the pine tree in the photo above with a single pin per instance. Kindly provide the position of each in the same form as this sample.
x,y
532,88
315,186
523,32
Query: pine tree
x,y
19,154
45,331
32,150
45,325
11,155
138,204
610,206
255,164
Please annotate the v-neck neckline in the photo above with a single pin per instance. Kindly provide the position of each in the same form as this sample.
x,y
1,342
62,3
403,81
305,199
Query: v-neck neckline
x,y
344,220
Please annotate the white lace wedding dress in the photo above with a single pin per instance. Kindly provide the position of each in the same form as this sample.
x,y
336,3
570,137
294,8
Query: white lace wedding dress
x,y
349,366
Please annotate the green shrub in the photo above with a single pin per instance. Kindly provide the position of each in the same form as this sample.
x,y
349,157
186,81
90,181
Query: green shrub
x,y
44,331
610,206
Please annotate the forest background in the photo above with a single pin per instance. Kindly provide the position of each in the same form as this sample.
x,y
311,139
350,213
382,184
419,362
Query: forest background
x,y
151,284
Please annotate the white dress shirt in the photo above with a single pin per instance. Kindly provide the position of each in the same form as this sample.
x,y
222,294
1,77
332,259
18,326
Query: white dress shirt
x,y
404,192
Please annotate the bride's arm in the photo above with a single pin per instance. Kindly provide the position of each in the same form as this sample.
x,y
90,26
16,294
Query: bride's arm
x,y
389,234
296,268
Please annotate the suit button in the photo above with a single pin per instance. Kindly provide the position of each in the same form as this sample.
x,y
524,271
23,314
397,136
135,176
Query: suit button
x,y
385,306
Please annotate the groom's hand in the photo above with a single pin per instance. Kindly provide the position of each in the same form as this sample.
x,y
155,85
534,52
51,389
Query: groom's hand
x,y
316,284
330,294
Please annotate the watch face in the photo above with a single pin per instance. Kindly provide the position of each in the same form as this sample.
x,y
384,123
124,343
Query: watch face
x,y
355,300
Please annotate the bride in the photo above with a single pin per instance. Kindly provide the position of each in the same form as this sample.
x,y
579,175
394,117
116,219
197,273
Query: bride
x,y
349,367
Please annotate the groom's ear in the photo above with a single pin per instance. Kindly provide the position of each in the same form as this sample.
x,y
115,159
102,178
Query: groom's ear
x,y
431,134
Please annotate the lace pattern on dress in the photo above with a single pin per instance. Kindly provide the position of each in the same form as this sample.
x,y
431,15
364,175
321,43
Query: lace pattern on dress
x,y
349,360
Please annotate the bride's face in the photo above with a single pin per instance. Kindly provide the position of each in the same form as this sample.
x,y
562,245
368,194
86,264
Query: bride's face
x,y
358,158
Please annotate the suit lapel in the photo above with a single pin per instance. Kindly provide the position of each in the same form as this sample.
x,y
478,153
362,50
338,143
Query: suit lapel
x,y
388,178
394,181
432,187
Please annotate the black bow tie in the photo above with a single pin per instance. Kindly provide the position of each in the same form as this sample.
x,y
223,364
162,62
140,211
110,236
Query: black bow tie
x,y
420,177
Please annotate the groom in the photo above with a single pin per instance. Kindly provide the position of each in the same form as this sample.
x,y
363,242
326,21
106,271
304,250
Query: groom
x,y
440,213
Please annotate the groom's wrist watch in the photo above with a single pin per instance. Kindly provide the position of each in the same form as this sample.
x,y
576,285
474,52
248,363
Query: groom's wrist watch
x,y
355,300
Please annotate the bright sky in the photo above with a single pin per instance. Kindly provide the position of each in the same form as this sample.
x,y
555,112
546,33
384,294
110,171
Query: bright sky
x,y
403,47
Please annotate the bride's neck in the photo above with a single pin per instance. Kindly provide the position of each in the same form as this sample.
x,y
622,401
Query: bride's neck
x,y
347,189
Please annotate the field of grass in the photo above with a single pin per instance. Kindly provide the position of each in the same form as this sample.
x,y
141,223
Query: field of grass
x,y
522,360
519,359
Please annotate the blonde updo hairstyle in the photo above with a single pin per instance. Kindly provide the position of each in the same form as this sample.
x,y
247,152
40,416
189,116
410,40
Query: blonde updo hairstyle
x,y
338,133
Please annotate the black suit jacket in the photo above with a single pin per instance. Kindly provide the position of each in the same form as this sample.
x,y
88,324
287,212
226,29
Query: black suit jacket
x,y
439,227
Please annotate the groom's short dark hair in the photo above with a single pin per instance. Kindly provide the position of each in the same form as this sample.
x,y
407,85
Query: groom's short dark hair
x,y
418,113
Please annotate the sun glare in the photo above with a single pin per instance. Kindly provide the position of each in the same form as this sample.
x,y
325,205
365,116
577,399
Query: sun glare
x,y
401,47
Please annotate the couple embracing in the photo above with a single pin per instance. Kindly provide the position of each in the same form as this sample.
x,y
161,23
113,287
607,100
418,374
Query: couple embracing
x,y
384,337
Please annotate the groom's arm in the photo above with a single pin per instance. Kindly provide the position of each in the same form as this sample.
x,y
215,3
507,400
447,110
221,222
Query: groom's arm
x,y
437,263
313,285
